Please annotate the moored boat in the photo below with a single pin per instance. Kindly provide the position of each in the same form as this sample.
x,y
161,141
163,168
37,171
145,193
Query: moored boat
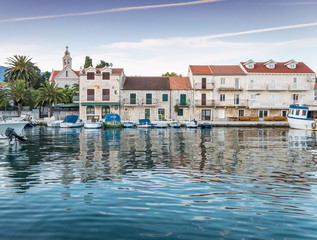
x,y
206,125
144,123
128,124
302,117
11,130
175,124
113,120
71,121
193,124
159,124
93,122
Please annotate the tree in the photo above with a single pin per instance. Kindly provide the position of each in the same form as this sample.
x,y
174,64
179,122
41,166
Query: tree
x,y
5,97
41,78
31,96
21,68
172,74
18,93
69,93
102,64
50,93
88,62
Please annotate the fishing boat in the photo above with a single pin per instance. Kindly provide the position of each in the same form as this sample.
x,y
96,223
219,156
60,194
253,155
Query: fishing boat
x,y
206,125
71,121
144,123
159,124
302,117
128,124
93,122
11,130
113,120
175,124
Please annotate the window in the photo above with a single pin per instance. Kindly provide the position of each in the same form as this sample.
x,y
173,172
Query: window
x,y
180,112
105,94
295,80
284,113
90,110
90,94
203,83
236,83
90,76
164,97
183,99
104,111
263,113
106,76
236,99
297,112
147,113
222,97
241,113
203,99
66,73
148,98
304,112
223,81
132,98
205,115
161,114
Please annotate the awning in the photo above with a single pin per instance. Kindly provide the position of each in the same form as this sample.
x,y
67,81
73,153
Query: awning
x,y
100,104
68,105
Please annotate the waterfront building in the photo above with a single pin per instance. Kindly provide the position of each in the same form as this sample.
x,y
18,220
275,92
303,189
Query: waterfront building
x,y
66,77
99,91
272,86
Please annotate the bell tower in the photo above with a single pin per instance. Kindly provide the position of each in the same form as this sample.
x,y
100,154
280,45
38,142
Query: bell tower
x,y
67,60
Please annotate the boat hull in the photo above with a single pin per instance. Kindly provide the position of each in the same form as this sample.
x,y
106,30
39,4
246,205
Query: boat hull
x,y
306,124
93,125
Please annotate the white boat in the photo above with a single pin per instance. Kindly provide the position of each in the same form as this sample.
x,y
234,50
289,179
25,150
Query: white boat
x,y
302,117
193,124
10,130
71,121
128,124
175,124
93,122
159,124
144,123
55,123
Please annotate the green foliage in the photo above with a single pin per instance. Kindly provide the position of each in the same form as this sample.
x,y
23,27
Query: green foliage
x,y
41,78
76,88
88,62
176,108
172,74
69,93
21,68
18,93
50,93
31,97
5,97
102,64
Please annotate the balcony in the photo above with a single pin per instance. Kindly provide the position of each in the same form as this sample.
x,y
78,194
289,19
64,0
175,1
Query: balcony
x,y
231,103
257,87
134,102
183,103
233,88
300,87
201,103
268,105
207,86
278,87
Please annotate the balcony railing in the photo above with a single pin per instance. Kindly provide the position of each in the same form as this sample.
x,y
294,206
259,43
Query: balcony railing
x,y
257,87
207,86
278,86
231,102
183,103
203,103
300,87
90,97
229,88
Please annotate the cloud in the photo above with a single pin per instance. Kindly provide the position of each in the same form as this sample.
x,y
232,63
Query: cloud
x,y
110,11
153,43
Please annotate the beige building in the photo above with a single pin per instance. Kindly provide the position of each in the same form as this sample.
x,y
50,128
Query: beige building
x,y
99,91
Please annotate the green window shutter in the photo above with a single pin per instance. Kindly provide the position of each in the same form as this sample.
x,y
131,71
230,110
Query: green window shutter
x,y
132,98
183,99
149,98
180,112
165,97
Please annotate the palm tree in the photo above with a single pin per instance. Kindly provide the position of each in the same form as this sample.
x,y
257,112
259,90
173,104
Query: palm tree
x,y
17,93
21,68
50,93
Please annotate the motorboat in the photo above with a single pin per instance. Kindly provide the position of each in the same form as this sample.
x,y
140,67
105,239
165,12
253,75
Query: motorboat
x,y
175,124
144,123
55,123
93,122
11,130
206,125
159,124
128,124
302,117
71,121
191,124
113,120
31,122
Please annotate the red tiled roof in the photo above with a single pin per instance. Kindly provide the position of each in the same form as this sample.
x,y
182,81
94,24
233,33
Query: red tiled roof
x,y
116,71
146,83
54,75
279,68
200,70
227,70
179,83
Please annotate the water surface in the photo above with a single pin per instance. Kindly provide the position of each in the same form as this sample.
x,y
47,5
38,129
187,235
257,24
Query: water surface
x,y
224,183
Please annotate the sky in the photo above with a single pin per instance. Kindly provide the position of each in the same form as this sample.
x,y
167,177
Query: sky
x,y
152,37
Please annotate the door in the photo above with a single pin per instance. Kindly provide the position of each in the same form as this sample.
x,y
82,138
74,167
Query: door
x,y
236,99
203,83
241,113
205,115
262,114
161,114
203,99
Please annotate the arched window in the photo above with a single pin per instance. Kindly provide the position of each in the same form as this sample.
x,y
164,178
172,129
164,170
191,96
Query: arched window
x,y
105,110
90,110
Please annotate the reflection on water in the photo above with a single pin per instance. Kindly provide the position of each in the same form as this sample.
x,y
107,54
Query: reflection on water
x,y
230,183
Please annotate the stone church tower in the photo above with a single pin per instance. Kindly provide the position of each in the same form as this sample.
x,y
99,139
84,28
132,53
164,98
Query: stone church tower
x,y
67,60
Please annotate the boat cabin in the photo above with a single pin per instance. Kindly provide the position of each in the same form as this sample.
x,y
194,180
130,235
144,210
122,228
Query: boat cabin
x,y
302,112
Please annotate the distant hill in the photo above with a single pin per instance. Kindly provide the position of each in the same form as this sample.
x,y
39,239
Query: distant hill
x,y
2,73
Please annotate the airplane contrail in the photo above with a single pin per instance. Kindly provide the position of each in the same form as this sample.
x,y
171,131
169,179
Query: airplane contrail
x,y
109,11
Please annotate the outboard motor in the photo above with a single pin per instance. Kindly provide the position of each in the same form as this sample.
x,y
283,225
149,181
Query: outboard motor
x,y
10,133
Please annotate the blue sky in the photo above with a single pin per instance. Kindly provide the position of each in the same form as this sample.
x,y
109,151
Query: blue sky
x,y
151,37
